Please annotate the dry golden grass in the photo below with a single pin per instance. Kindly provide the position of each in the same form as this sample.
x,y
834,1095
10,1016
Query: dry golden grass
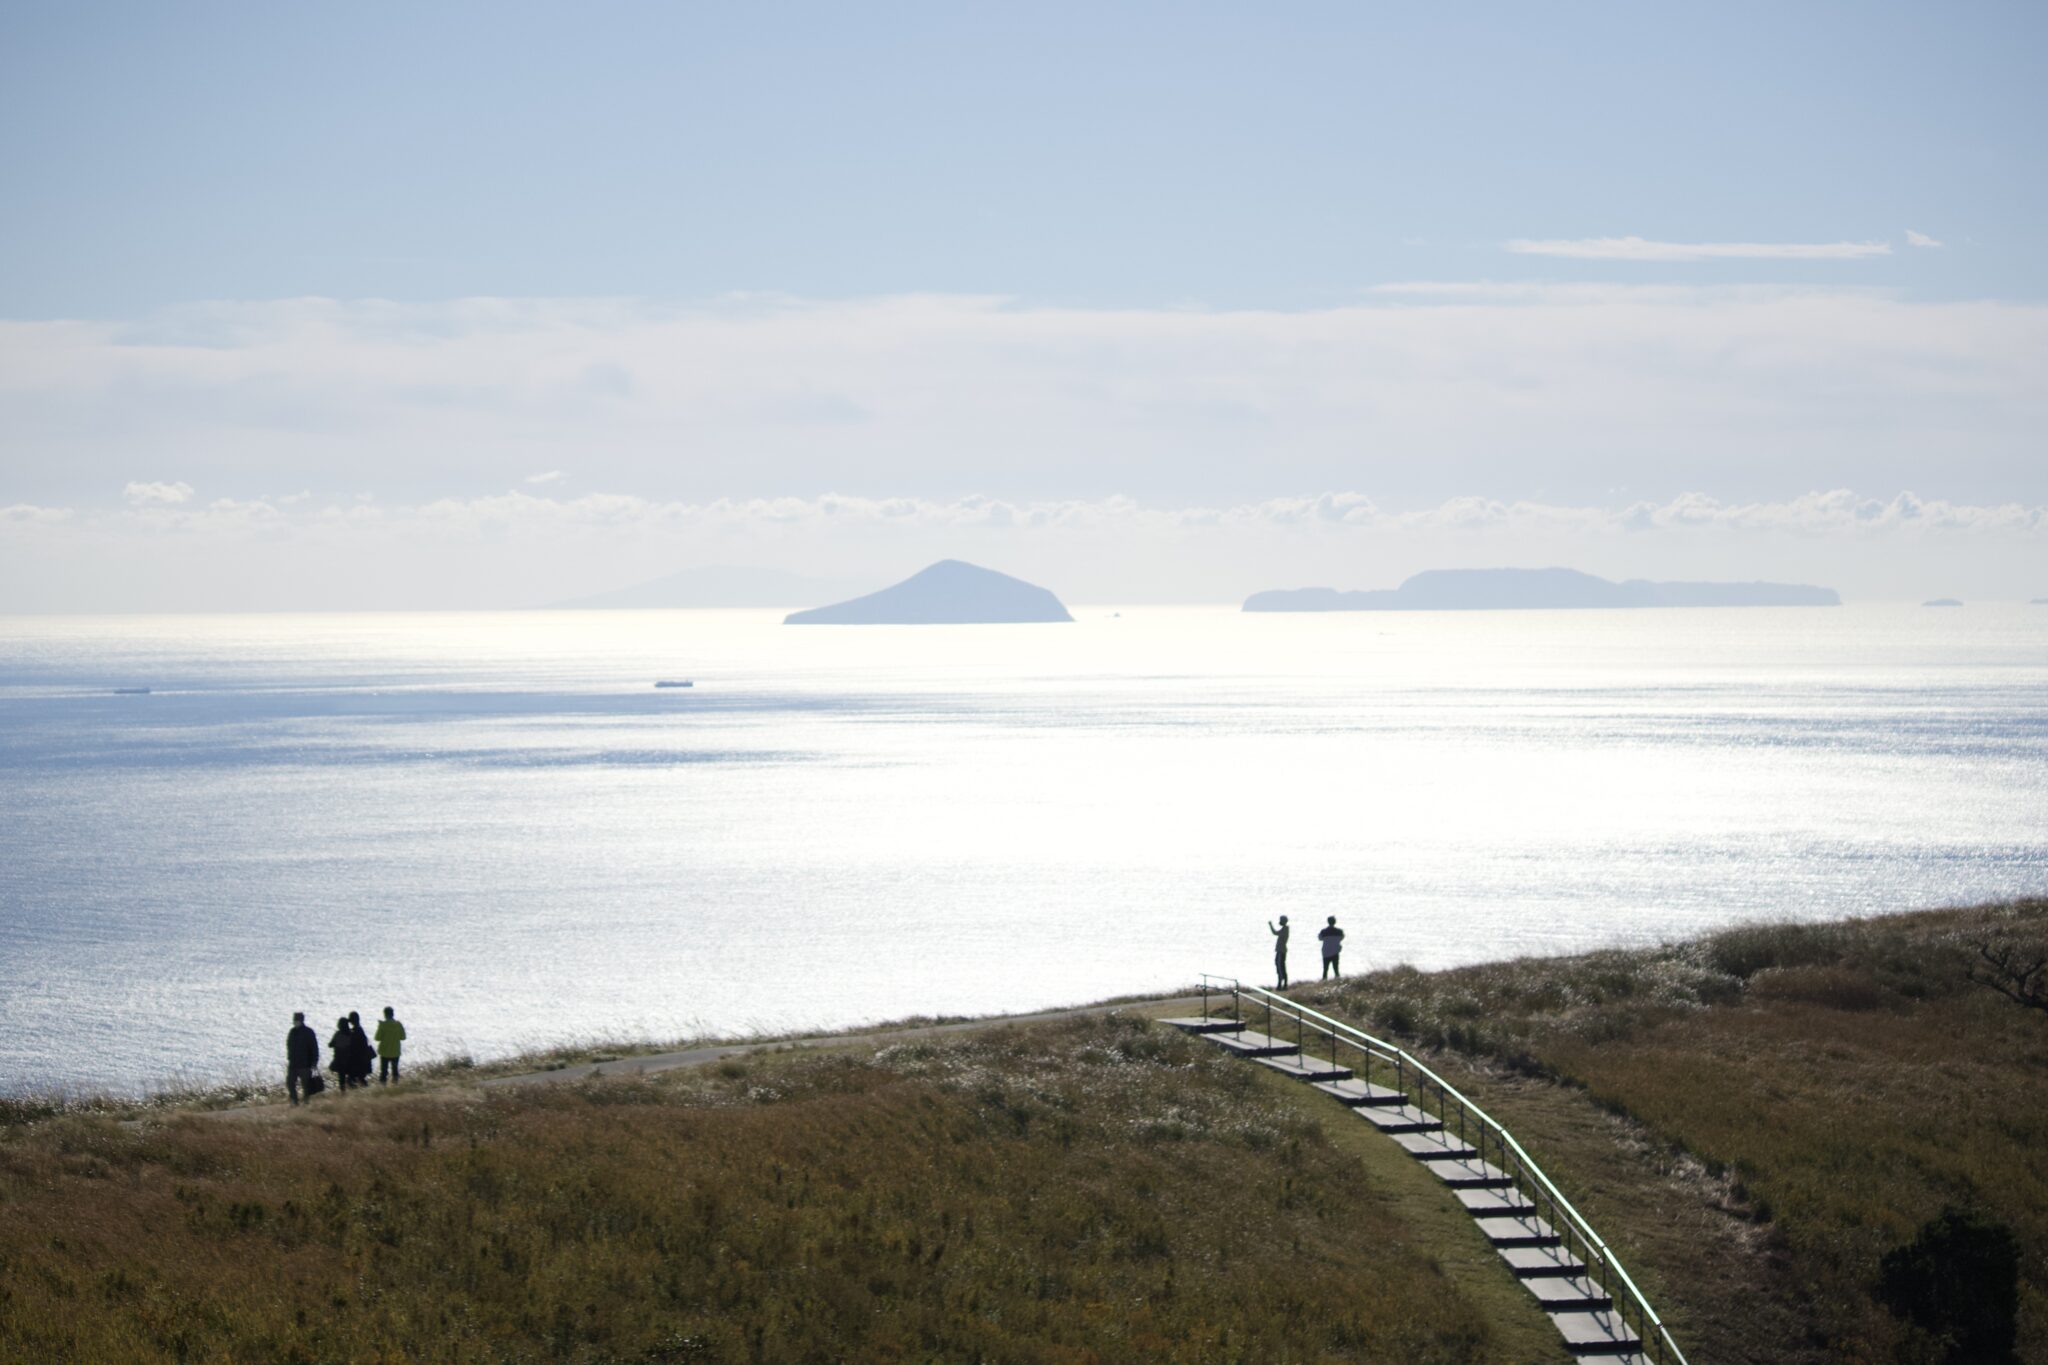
x,y
1093,1190
1753,1119
1826,1088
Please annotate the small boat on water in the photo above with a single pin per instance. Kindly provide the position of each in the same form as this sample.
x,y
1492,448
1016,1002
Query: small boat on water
x,y
675,682
131,691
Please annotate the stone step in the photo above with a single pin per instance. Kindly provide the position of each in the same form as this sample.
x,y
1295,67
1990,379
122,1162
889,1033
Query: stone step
x,y
1539,1262
1518,1231
1488,1203
1428,1146
1357,1092
1568,1293
1471,1174
1581,1310
1399,1118
1247,1043
1306,1068
1200,1025
1597,1333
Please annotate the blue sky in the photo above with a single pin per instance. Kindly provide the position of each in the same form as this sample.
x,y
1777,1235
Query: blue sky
x,y
521,301
1224,155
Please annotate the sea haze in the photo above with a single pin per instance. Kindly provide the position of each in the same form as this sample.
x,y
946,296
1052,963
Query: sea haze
x,y
497,824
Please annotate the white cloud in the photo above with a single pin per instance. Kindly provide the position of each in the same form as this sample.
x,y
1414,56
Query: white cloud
x,y
1641,249
1422,392
541,517
1631,430
152,494
551,476
24,512
517,548
1921,239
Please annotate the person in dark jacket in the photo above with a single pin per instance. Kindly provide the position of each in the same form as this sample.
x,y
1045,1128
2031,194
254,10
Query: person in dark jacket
x,y
365,1052
1333,947
301,1057
343,1061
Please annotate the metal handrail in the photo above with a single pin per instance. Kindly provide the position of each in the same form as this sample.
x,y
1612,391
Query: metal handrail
x,y
1401,1058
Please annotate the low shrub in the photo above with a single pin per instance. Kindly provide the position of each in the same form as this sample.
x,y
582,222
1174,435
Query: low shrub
x,y
1835,987
1958,1282
1744,952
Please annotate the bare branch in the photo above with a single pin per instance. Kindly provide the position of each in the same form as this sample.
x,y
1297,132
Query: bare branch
x,y
2022,981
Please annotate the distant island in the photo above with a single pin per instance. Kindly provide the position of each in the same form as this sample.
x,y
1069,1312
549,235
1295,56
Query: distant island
x,y
716,585
946,594
1942,602
1527,589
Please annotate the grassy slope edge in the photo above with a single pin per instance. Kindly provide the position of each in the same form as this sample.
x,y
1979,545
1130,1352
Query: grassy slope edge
x,y
1752,1118
1755,1117
1092,1189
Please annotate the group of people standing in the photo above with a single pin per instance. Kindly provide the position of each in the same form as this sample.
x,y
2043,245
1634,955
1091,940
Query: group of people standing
x,y
1333,946
355,1054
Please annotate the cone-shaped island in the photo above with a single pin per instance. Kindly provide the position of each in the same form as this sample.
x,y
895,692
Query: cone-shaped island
x,y
949,593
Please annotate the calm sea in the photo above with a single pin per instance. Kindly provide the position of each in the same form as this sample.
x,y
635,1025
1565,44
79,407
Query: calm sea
x,y
496,823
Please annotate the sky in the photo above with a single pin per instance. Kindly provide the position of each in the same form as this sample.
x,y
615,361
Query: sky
x,y
495,305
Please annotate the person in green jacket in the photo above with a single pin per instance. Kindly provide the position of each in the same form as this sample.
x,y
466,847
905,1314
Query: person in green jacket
x,y
390,1033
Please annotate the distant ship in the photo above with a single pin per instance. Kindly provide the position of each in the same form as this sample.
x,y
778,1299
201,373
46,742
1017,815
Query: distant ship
x,y
675,682
131,691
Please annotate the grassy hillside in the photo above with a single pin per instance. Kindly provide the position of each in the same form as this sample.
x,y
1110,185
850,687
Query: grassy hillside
x,y
1093,1190
1755,1118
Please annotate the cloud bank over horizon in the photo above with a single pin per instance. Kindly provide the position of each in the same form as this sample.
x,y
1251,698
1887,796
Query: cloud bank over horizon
x,y
521,549
509,452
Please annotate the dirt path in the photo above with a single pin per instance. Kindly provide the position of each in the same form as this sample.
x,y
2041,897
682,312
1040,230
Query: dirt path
x,y
699,1056
654,1062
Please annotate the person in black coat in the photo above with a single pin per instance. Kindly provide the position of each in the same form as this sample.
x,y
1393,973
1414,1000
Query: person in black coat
x,y
301,1057
342,1062
363,1052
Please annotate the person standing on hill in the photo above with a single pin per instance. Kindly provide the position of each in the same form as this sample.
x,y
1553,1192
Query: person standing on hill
x,y
390,1033
343,1062
363,1053
1333,944
301,1057
1280,950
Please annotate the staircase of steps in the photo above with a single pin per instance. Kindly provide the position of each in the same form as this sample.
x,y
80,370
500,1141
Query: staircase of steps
x,y
1539,1237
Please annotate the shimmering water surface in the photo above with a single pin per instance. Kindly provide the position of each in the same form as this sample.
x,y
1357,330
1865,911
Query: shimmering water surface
x,y
496,823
